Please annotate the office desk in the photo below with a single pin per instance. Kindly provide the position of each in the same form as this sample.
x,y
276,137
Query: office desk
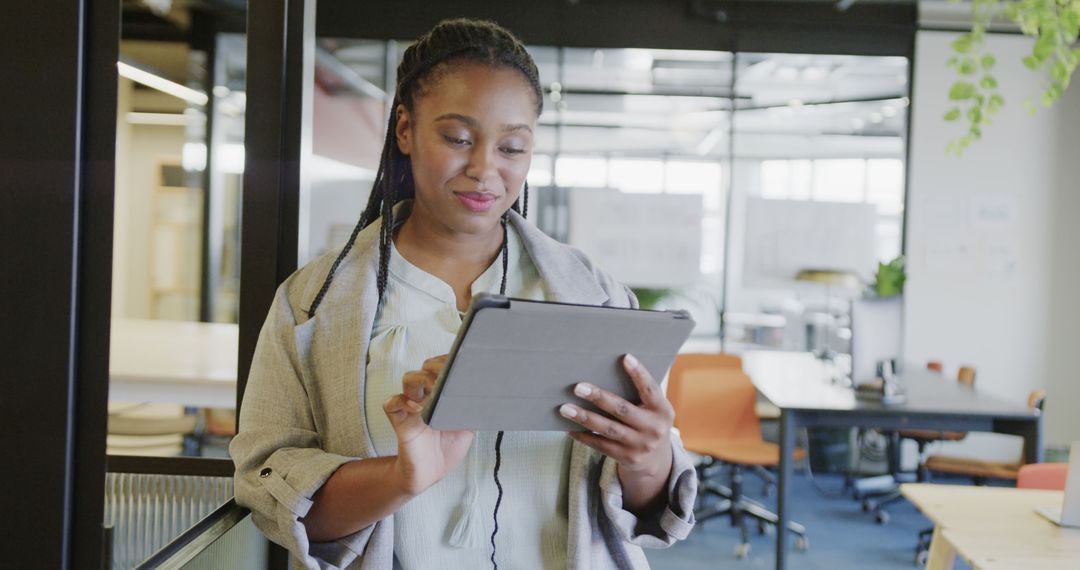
x,y
173,362
994,527
802,387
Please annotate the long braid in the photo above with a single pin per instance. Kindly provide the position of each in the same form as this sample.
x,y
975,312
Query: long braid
x,y
450,41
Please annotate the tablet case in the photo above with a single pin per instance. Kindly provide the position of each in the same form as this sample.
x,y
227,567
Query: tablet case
x,y
515,361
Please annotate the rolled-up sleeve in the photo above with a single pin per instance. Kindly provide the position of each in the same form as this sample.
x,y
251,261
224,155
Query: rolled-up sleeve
x,y
665,526
279,462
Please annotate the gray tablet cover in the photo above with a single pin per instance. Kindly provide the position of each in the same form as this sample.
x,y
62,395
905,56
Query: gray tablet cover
x,y
515,362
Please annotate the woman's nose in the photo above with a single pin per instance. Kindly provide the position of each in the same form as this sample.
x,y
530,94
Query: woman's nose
x,y
481,164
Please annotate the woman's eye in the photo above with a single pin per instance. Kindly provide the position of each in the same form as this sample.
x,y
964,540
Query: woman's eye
x,y
511,150
455,140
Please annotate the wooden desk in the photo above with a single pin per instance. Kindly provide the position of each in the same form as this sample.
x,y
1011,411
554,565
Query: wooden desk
x,y
994,528
804,390
174,362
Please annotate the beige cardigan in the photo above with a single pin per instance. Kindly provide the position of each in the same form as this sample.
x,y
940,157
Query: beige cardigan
x,y
301,416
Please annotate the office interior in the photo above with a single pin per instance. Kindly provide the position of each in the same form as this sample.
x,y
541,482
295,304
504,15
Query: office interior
x,y
753,162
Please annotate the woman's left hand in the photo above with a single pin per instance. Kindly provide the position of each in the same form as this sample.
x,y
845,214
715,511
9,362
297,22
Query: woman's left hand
x,y
637,436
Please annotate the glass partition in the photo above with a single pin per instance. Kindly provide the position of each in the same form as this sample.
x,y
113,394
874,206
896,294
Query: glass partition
x,y
630,133
179,164
818,194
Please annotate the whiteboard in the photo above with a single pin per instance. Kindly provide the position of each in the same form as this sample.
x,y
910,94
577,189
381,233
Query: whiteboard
x,y
642,240
785,236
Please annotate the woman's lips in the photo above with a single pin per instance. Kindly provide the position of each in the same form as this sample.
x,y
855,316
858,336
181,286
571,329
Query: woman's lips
x,y
477,201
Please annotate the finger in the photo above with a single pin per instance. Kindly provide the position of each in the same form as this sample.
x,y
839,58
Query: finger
x,y
651,395
597,423
417,385
617,407
436,364
400,410
602,444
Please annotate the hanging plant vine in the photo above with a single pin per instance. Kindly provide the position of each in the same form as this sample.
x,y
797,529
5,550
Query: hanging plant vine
x,y
975,95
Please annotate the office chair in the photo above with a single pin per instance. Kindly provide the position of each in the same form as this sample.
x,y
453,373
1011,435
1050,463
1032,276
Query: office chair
x,y
1048,476
714,412
876,502
979,470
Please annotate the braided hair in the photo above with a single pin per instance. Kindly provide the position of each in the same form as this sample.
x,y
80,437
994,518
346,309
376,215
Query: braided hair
x,y
449,43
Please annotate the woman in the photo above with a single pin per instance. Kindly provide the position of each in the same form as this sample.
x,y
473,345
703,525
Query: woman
x,y
333,458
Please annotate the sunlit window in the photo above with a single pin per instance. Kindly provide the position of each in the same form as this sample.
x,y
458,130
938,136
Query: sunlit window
x,y
885,184
695,177
581,172
786,179
840,180
540,171
636,175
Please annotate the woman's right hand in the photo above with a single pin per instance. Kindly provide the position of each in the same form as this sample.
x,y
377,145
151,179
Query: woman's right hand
x,y
425,455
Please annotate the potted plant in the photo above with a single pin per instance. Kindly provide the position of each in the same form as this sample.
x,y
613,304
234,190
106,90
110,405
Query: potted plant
x,y
889,278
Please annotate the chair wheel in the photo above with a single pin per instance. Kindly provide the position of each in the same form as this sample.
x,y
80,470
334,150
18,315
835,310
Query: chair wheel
x,y
921,558
742,550
868,505
763,527
802,544
881,517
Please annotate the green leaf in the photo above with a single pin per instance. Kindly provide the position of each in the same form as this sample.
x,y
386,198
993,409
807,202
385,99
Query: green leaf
x,y
952,61
976,132
996,99
1059,71
968,67
1047,98
1030,106
1031,63
974,115
988,82
961,90
953,114
988,62
962,44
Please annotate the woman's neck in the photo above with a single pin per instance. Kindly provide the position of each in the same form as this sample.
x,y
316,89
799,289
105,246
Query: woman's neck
x,y
442,252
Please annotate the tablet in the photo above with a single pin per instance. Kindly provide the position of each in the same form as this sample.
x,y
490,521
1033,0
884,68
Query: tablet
x,y
515,361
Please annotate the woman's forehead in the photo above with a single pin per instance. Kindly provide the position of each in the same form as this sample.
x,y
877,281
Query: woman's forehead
x,y
479,91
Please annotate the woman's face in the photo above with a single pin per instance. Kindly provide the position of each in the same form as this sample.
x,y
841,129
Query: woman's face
x,y
470,138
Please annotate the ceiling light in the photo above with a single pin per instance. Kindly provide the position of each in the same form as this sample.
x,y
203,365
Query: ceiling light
x,y
888,111
876,118
795,103
221,91
857,124
161,84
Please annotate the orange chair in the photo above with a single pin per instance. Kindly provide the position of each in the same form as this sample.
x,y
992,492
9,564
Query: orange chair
x,y
978,469
923,437
714,412
1048,476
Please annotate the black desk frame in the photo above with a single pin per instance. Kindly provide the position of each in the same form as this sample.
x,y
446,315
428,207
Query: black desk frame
x,y
792,419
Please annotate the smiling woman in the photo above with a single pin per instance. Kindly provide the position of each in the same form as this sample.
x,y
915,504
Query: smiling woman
x,y
332,454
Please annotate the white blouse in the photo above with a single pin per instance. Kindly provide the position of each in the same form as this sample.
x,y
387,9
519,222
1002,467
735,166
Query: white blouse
x,y
450,524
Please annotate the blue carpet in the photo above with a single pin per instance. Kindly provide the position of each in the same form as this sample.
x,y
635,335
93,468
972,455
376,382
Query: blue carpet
x,y
840,535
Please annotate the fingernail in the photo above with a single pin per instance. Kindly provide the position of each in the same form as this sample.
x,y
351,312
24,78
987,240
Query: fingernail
x,y
567,411
583,390
630,360
414,406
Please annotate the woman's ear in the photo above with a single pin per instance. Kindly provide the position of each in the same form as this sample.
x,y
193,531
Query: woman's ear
x,y
403,130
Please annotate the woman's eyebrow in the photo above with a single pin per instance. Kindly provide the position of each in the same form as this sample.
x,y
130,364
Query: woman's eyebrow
x,y
474,124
